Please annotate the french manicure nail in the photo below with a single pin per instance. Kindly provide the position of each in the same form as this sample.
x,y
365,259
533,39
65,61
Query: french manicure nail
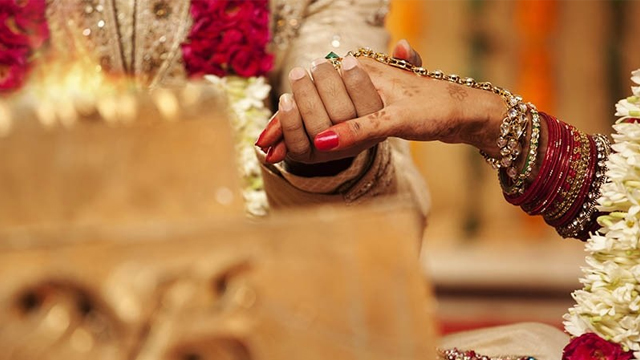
x,y
286,103
297,73
349,62
315,63
326,140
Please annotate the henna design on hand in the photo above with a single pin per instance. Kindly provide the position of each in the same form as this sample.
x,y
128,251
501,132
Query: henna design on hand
x,y
457,92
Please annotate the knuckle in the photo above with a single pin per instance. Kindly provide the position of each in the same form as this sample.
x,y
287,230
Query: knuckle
x,y
355,128
355,76
342,112
292,127
308,109
300,152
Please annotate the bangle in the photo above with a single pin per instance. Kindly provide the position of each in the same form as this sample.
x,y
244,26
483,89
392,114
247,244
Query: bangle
x,y
517,186
580,199
579,158
586,218
513,126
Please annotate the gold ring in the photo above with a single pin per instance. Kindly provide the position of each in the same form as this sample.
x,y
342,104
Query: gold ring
x,y
334,59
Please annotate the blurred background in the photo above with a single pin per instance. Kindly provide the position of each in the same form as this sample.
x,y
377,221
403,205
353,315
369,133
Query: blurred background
x,y
489,261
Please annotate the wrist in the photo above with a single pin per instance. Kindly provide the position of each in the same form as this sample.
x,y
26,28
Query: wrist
x,y
482,120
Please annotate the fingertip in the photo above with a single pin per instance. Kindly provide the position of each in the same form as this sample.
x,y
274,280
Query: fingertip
x,y
405,45
297,73
402,50
317,62
276,153
286,102
326,140
349,62
270,135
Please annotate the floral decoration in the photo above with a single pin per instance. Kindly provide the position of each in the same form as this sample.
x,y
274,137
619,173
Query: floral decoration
x,y
228,37
590,346
227,45
605,321
249,116
23,32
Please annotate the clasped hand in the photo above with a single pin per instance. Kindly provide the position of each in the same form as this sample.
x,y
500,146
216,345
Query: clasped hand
x,y
337,115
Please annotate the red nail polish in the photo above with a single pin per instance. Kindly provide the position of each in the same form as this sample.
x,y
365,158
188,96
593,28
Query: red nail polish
x,y
269,154
326,140
260,138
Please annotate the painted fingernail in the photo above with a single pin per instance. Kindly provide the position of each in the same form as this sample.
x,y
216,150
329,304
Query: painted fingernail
x,y
405,44
326,140
317,62
269,154
260,138
286,103
349,62
297,73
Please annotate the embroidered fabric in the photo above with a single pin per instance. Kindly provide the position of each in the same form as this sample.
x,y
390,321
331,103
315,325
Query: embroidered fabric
x,y
138,38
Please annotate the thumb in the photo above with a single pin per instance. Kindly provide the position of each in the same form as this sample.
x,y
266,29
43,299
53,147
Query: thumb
x,y
404,51
354,132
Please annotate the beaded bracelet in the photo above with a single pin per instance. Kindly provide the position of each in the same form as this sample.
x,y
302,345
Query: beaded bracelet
x,y
455,354
512,128
514,184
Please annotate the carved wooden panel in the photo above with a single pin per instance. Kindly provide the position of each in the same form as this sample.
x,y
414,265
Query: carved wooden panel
x,y
319,284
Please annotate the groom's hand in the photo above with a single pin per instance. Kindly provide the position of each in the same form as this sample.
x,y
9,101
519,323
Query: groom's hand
x,y
360,91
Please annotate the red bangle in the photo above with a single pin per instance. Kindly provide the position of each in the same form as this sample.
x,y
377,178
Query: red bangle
x,y
556,179
573,168
550,183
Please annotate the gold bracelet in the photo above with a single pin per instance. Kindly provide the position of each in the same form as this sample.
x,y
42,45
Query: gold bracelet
x,y
513,125
515,183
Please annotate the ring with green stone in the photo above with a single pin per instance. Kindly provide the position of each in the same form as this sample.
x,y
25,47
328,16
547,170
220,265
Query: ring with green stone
x,y
334,59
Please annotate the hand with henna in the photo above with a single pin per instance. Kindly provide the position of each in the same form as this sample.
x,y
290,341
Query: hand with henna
x,y
317,104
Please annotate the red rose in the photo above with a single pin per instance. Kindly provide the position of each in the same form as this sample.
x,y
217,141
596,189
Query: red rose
x,y
23,23
243,61
32,21
592,347
23,31
228,37
13,68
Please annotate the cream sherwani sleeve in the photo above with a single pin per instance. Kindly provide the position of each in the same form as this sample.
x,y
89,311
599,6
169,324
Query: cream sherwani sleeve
x,y
304,31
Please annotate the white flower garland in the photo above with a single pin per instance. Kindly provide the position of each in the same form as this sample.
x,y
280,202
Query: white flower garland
x,y
247,97
609,303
